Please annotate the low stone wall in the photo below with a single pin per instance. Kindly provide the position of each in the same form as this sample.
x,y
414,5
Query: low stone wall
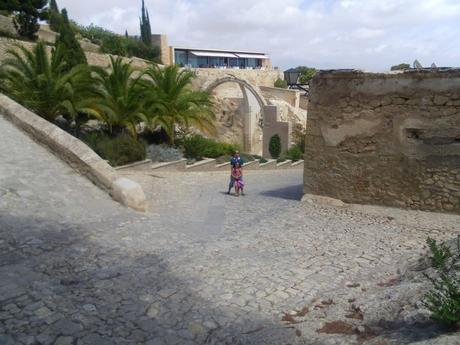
x,y
75,153
390,139
292,97
254,77
6,25
95,59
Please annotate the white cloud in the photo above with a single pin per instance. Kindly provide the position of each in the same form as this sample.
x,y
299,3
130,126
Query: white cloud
x,y
369,34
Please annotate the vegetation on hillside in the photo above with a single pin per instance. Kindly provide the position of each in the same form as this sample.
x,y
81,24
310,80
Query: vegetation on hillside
x,y
72,52
26,14
122,99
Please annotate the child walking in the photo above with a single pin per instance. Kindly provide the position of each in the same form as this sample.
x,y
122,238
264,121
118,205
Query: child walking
x,y
237,176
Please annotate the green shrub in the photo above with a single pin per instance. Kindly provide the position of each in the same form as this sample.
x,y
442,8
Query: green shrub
x,y
274,146
281,159
197,147
114,44
443,300
281,83
294,153
262,160
119,150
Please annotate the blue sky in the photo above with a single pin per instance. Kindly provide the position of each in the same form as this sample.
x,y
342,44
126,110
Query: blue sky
x,y
364,34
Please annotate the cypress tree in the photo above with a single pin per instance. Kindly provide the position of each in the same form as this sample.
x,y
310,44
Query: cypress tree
x,y
146,30
73,54
54,17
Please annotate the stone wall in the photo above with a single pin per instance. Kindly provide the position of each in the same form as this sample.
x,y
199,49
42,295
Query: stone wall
x,y
389,139
95,59
254,77
6,25
292,97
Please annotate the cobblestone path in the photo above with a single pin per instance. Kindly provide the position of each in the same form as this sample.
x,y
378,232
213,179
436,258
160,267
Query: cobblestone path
x,y
201,267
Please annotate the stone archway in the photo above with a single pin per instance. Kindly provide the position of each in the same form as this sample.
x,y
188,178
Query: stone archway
x,y
248,127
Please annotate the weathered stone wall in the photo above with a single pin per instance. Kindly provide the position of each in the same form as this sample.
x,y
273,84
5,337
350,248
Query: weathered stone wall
x,y
95,59
254,77
6,25
390,139
292,97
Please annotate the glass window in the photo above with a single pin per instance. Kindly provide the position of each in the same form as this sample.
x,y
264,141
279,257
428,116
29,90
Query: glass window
x,y
234,62
180,57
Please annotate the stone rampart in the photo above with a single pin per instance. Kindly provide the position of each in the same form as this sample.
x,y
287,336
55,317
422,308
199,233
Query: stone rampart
x,y
75,153
389,139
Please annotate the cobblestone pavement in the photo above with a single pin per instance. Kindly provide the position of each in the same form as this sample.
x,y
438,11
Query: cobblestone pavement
x,y
201,267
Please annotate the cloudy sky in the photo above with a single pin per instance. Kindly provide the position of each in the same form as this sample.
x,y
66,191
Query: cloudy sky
x,y
366,34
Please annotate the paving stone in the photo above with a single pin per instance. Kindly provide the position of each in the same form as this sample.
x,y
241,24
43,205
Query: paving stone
x,y
200,265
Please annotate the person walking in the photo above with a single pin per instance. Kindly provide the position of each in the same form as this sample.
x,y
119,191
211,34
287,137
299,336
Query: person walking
x,y
236,159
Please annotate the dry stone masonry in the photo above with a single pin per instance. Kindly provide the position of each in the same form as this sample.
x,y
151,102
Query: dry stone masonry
x,y
390,139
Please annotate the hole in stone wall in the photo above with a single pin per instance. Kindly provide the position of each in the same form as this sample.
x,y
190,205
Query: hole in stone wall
x,y
434,137
412,133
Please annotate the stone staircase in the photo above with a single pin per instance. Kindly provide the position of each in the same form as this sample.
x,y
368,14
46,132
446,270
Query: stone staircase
x,y
209,165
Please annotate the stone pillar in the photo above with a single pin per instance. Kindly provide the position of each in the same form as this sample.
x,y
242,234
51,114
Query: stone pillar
x,y
272,126
247,123
162,42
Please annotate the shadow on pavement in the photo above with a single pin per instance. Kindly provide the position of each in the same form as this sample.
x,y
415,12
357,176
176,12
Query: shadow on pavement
x,y
63,283
289,193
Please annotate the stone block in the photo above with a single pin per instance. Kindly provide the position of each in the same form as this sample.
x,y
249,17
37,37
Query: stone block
x,y
129,193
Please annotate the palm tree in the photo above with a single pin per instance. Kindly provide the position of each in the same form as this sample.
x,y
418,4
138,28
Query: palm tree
x,y
42,85
120,97
173,103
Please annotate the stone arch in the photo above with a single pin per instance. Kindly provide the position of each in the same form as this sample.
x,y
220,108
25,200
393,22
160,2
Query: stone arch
x,y
232,79
245,86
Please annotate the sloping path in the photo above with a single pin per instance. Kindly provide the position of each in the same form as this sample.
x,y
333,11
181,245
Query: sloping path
x,y
201,267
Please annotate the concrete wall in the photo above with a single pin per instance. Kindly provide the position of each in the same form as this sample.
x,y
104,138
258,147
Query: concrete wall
x,y
390,139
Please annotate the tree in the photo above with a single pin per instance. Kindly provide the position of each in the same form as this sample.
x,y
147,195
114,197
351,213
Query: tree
x,y
26,14
172,103
306,73
281,83
274,146
72,52
42,85
146,29
401,66
120,97
54,16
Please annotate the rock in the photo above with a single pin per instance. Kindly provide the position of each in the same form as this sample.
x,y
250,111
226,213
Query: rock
x,y
6,340
417,316
67,327
89,308
64,341
153,311
129,193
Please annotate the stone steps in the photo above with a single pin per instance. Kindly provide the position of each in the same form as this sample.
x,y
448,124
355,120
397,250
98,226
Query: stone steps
x,y
210,165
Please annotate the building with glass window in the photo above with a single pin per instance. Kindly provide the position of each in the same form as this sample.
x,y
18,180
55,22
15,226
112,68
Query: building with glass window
x,y
211,58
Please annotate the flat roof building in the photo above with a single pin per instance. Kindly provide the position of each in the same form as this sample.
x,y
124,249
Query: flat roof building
x,y
210,58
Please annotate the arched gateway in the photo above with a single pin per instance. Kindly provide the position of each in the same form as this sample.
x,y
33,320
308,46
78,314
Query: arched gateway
x,y
249,125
